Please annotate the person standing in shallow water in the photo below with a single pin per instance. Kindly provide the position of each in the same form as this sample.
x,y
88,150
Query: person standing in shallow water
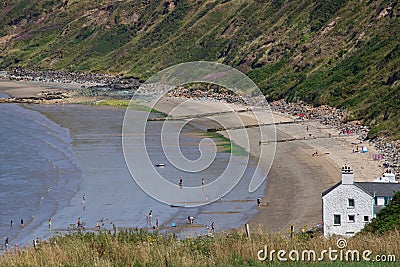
x,y
180,181
6,243
49,223
22,223
151,218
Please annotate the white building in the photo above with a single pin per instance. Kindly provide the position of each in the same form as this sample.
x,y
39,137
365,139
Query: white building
x,y
348,205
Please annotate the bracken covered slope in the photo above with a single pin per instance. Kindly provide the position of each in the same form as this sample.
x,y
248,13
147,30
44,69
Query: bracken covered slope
x,y
344,53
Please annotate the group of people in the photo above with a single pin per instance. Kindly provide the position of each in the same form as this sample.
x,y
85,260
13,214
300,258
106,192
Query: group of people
x,y
149,220
181,182
22,223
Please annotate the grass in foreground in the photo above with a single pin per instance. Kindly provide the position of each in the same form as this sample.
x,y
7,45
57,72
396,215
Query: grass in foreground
x,y
140,248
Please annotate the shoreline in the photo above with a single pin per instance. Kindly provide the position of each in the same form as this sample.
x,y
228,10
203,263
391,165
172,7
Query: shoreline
x,y
297,178
105,186
296,200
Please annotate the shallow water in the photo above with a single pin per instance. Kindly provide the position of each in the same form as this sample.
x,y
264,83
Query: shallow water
x,y
38,174
81,153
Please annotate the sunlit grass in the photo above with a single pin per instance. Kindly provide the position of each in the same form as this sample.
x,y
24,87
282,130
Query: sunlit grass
x,y
233,248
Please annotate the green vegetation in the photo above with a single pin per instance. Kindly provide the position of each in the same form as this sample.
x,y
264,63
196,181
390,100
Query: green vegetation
x,y
123,103
115,103
140,248
225,145
337,52
387,219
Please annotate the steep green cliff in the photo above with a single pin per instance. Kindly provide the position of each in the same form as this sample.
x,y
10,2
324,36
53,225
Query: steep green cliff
x,y
344,53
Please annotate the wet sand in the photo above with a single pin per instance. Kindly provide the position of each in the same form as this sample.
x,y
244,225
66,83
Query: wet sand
x,y
28,89
296,179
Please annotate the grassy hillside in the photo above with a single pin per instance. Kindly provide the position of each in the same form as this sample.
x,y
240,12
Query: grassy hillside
x,y
344,53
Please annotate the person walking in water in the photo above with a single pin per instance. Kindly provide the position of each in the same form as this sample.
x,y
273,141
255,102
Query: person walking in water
x,y
151,218
22,223
83,198
6,243
202,182
49,223
180,181
11,223
213,226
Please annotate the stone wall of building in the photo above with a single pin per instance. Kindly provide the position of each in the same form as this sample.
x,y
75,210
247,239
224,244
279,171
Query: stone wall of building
x,y
336,202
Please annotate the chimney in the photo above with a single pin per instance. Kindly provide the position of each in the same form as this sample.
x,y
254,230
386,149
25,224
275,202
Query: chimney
x,y
347,175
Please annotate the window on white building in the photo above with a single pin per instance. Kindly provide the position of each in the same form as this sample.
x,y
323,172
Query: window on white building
x,y
366,218
352,218
351,202
379,201
336,219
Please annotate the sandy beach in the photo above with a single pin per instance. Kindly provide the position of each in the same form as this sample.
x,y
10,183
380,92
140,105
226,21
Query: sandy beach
x,y
296,178
27,89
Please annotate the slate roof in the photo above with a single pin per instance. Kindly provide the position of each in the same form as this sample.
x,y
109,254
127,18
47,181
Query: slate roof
x,y
372,188
379,189
331,188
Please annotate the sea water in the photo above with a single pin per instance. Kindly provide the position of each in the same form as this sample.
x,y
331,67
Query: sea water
x,y
53,155
38,174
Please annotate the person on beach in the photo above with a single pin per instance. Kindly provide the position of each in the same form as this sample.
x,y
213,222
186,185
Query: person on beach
x,y
49,223
22,223
156,223
6,243
79,222
191,219
259,202
97,225
213,227
150,218
180,181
